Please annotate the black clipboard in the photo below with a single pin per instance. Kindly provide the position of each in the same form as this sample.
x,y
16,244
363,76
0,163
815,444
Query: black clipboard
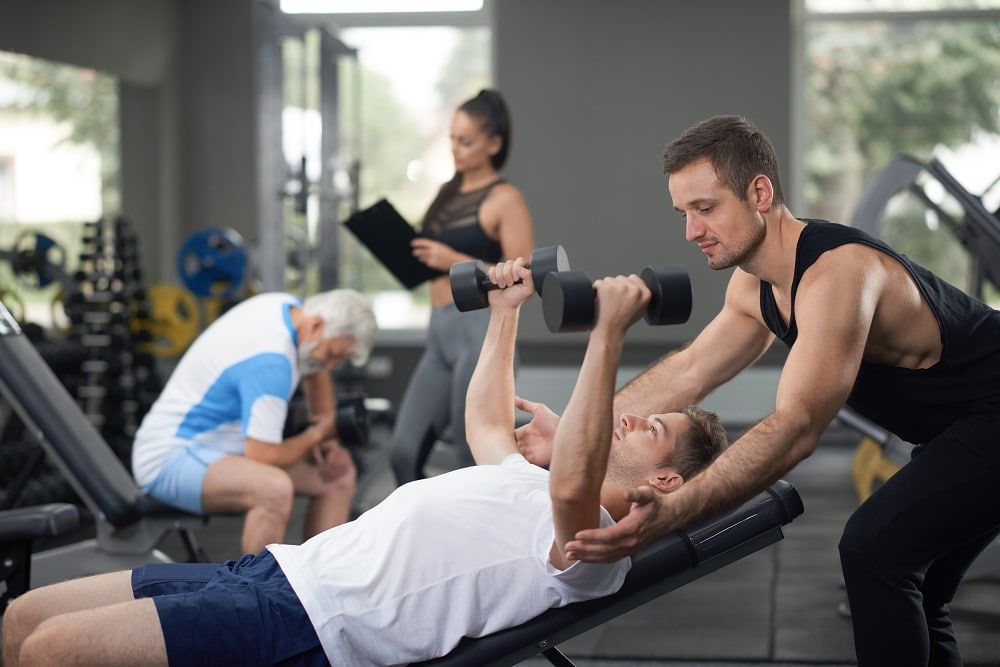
x,y
387,235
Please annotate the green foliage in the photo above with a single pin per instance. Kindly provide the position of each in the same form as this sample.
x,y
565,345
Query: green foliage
x,y
877,90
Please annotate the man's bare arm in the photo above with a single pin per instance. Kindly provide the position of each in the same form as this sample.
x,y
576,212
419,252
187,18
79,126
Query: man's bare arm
x,y
489,402
291,449
583,437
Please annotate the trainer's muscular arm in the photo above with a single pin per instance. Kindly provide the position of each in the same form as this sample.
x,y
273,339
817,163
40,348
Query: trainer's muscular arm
x,y
834,309
731,342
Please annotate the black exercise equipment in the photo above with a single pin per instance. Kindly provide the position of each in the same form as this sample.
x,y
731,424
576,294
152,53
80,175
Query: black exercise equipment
x,y
353,421
19,529
976,228
470,281
568,302
129,524
37,260
668,563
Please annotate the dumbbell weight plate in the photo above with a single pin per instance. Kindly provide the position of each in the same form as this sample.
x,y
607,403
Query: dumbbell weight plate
x,y
353,422
569,303
466,278
671,288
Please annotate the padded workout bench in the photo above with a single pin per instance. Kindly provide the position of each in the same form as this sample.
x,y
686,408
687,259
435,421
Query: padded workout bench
x,y
129,524
19,528
669,563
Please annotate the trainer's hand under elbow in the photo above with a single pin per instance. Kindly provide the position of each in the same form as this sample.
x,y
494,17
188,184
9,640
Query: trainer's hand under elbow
x,y
639,527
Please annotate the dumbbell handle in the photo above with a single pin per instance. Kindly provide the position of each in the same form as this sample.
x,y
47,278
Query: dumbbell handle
x,y
485,283
470,281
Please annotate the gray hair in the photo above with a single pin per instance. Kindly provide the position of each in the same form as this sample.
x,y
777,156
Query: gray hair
x,y
346,312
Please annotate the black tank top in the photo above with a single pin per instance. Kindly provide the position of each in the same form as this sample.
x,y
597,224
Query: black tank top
x,y
915,404
457,225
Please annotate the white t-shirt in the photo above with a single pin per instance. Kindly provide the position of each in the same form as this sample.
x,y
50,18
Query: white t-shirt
x,y
233,382
461,554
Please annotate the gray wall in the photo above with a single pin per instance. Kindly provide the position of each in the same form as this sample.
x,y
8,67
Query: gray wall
x,y
598,88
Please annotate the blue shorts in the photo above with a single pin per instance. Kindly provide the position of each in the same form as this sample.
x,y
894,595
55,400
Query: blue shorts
x,y
182,476
241,613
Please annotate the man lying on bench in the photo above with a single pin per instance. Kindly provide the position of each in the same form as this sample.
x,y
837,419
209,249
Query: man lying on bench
x,y
462,554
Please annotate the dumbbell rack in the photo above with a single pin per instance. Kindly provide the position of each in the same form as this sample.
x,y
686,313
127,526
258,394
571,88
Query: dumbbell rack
x,y
119,380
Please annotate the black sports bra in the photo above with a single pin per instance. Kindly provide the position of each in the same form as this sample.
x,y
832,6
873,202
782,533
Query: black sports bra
x,y
457,225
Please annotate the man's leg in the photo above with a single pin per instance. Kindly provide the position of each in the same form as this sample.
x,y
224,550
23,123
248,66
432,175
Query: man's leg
x,y
940,584
908,545
126,634
236,484
330,490
29,610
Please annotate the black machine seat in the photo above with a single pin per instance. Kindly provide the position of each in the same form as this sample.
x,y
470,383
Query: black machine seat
x,y
19,528
128,521
669,563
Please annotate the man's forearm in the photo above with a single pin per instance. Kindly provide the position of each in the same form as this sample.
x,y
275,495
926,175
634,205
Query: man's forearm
x,y
749,465
583,437
489,402
319,392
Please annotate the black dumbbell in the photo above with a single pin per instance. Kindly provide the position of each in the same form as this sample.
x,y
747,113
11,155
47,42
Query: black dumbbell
x,y
353,422
568,303
470,281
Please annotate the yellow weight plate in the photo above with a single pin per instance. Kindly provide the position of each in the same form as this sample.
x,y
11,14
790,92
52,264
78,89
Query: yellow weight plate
x,y
173,320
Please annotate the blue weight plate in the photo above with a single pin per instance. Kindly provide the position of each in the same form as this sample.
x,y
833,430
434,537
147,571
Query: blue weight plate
x,y
212,262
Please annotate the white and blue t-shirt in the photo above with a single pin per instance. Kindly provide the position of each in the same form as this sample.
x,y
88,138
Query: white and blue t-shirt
x,y
234,382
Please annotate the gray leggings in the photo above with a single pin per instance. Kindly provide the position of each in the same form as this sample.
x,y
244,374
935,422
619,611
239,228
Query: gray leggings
x,y
435,396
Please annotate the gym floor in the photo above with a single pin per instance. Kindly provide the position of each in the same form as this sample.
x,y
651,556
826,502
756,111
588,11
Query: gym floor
x,y
776,606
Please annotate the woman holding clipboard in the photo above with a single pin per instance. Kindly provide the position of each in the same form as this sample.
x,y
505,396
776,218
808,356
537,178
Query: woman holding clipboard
x,y
476,215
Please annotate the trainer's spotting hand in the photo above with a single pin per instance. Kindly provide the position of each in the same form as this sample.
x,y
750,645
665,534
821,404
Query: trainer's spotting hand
x,y
534,439
636,529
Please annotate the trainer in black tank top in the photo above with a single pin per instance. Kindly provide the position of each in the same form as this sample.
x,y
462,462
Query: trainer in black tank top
x,y
914,404
457,225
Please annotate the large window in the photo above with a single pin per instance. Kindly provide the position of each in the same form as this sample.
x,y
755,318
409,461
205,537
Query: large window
x,y
411,81
396,95
58,170
889,79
